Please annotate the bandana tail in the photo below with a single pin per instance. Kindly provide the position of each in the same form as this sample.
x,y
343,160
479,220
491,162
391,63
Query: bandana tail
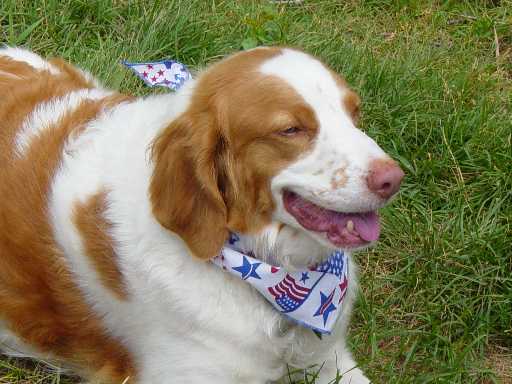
x,y
166,73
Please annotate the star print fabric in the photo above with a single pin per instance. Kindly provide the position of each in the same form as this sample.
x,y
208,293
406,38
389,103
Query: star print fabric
x,y
166,73
312,298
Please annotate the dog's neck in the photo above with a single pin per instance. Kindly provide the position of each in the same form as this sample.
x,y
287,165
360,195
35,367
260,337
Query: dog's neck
x,y
307,296
284,247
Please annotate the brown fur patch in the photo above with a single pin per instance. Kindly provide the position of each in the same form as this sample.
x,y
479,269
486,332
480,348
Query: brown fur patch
x,y
214,163
351,101
14,71
352,104
339,178
71,72
39,300
95,228
19,98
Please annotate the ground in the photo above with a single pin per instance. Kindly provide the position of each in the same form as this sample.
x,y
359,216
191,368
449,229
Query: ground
x,y
435,78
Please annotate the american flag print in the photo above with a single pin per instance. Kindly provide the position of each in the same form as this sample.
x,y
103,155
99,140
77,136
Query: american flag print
x,y
165,73
288,294
343,288
333,265
312,298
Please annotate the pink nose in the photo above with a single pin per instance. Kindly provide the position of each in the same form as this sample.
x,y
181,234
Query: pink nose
x,y
384,178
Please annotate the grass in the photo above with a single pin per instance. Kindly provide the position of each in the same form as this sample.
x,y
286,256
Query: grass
x,y
435,79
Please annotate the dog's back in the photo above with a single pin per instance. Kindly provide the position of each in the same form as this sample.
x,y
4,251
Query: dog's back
x,y
42,104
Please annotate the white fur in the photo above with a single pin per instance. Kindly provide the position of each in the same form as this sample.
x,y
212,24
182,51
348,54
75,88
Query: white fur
x,y
186,321
50,112
30,58
35,61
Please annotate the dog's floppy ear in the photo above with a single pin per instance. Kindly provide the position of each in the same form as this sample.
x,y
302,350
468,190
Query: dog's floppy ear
x,y
184,187
352,103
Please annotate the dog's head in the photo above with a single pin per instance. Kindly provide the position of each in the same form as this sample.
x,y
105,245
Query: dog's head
x,y
269,137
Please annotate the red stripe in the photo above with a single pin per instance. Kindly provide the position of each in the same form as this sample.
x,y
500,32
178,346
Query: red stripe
x,y
293,296
280,290
291,288
290,292
342,296
343,289
295,285
344,284
327,302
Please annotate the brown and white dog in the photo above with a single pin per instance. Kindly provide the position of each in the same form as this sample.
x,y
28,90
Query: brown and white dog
x,y
110,207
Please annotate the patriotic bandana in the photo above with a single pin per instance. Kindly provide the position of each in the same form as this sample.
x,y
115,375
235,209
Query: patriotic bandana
x,y
166,73
312,298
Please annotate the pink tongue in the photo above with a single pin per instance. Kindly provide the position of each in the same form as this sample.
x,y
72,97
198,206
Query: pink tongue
x,y
319,219
366,224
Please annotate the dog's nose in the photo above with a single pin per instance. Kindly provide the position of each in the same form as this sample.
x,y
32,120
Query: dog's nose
x,y
384,178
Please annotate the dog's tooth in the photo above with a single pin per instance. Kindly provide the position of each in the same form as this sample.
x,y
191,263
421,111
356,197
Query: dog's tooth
x,y
350,225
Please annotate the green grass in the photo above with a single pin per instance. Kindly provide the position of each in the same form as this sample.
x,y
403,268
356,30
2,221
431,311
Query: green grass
x,y
436,300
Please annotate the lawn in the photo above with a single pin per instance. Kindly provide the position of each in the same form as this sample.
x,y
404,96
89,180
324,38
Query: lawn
x,y
435,78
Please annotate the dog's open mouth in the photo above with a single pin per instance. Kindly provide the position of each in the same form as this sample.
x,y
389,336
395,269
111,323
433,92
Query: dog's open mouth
x,y
344,230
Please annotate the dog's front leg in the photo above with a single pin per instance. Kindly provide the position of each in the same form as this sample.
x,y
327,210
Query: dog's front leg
x,y
340,364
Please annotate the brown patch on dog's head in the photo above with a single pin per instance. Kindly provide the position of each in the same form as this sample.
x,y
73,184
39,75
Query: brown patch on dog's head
x,y
352,104
351,101
339,178
214,163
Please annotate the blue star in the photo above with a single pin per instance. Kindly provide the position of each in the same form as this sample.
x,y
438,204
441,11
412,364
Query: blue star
x,y
304,277
247,269
326,306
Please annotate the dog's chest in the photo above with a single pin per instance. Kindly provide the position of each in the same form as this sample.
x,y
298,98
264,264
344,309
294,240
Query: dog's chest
x,y
250,330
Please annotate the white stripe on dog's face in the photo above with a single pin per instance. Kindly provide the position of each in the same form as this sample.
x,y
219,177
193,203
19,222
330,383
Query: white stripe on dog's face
x,y
333,174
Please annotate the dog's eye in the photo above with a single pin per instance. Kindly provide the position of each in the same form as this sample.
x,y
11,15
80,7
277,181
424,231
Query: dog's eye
x,y
291,131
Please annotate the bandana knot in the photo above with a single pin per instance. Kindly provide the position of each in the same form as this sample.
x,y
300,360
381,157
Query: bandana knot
x,y
165,73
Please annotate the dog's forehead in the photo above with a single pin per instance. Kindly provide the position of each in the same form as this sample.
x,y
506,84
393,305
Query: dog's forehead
x,y
307,76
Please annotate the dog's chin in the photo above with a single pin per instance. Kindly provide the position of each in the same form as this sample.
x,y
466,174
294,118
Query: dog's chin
x,y
323,241
297,249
